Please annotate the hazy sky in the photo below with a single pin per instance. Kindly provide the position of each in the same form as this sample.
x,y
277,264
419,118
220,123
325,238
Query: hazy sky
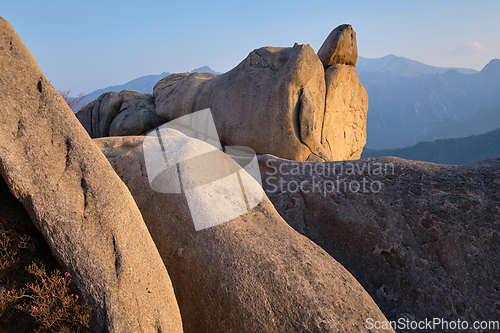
x,y
87,45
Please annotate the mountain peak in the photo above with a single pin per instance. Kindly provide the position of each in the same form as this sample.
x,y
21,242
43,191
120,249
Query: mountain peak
x,y
492,66
391,56
204,69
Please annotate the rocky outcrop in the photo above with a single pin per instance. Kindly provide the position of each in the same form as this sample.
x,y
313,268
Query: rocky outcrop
x,y
118,114
251,274
76,200
277,101
344,126
275,93
285,96
340,47
174,95
423,239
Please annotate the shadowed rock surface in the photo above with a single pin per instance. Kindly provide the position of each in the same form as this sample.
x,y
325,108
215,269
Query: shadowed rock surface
x,y
251,274
424,244
117,114
76,200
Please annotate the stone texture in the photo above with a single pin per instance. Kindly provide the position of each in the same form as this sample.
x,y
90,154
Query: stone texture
x,y
251,274
278,94
76,200
273,102
340,47
424,244
174,95
284,95
118,114
344,127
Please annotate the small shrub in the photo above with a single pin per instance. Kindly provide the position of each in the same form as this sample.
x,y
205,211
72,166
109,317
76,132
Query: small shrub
x,y
52,303
35,296
15,252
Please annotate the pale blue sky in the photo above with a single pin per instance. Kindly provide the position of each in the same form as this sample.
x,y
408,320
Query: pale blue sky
x,y
87,45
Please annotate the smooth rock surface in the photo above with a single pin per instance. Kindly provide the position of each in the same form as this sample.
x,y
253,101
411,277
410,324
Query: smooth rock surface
x,y
423,239
174,95
344,127
118,114
251,274
278,101
340,47
273,102
76,200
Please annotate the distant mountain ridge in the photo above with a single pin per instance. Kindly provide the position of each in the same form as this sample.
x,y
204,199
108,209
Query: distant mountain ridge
x,y
403,110
204,69
409,101
400,66
483,120
143,84
459,151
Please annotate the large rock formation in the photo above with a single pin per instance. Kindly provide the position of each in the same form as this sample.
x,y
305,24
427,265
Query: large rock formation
x,y
251,274
423,239
273,102
86,214
279,101
344,127
174,95
347,102
116,114
284,96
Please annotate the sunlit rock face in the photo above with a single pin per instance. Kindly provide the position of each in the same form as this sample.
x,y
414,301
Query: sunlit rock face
x,y
285,101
